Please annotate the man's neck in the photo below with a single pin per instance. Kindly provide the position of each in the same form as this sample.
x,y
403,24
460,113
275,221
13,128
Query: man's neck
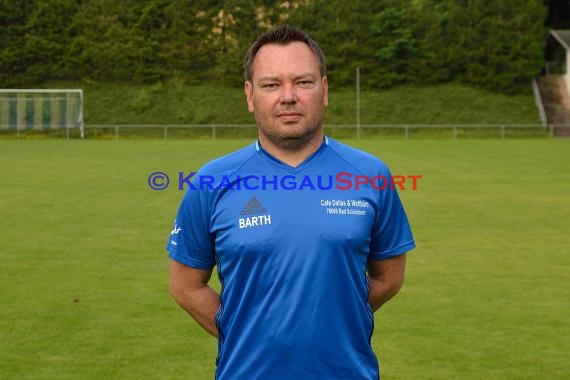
x,y
292,156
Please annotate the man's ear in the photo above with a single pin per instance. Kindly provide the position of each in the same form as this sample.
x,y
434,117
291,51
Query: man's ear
x,y
248,88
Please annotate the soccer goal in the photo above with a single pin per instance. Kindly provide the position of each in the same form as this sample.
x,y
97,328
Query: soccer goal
x,y
45,109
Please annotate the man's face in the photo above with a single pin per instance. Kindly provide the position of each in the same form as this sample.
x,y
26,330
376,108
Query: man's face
x,y
287,94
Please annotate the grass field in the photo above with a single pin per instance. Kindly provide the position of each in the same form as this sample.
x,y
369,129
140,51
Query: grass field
x,y
83,283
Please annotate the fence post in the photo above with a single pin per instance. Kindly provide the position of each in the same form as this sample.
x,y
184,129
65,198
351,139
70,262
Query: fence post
x,y
454,132
165,135
502,132
406,131
116,132
213,131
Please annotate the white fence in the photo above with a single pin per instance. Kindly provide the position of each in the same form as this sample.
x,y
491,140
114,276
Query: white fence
x,y
407,131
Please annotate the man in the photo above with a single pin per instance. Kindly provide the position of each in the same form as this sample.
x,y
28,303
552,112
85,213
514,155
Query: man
x,y
303,260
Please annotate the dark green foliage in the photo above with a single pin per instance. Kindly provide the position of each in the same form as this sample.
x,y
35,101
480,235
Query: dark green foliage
x,y
395,47
502,42
497,44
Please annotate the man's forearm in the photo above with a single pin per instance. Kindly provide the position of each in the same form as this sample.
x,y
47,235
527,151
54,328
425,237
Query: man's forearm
x,y
202,304
385,279
380,292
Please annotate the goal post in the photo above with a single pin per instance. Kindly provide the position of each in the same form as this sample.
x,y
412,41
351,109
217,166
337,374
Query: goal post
x,y
41,109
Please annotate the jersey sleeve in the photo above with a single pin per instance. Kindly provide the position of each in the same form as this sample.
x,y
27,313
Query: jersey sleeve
x,y
391,234
190,241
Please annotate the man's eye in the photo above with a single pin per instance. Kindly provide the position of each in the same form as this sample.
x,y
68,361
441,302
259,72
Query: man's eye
x,y
305,83
269,86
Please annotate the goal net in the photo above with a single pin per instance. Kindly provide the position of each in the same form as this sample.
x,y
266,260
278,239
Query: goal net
x,y
33,109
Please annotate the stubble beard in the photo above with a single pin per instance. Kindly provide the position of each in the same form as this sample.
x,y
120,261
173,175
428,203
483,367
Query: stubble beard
x,y
293,142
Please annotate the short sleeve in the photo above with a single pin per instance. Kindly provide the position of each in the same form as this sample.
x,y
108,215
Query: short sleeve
x,y
391,234
190,241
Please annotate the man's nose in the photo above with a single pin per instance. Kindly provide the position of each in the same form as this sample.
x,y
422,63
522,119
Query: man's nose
x,y
288,94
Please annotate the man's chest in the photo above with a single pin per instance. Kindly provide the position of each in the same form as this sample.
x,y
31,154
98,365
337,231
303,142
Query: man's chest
x,y
262,222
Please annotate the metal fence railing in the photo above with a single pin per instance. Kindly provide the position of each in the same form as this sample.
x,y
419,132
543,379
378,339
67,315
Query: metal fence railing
x,y
406,131
555,67
539,103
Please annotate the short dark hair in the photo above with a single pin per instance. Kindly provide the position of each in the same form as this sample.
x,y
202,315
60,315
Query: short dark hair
x,y
282,35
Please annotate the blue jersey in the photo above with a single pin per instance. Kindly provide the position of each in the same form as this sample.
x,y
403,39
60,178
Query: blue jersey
x,y
291,247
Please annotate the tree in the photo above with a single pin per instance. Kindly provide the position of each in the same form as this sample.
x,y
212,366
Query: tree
x,y
235,27
34,37
506,43
395,47
496,44
13,22
343,30
98,44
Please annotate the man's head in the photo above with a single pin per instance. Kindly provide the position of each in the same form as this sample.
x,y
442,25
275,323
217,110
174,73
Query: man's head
x,y
286,88
282,36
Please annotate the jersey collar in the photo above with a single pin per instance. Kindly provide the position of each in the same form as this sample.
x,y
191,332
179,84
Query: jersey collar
x,y
258,145
302,165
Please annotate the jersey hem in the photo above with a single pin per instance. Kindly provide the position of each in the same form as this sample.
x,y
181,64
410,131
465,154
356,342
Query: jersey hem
x,y
393,252
189,262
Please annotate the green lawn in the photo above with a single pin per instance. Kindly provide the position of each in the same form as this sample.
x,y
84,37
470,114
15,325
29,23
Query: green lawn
x,y
83,283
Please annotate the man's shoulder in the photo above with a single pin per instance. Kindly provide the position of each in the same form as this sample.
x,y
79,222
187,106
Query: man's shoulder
x,y
230,162
358,158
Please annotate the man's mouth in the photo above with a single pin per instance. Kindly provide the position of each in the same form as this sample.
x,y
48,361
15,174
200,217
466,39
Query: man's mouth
x,y
289,116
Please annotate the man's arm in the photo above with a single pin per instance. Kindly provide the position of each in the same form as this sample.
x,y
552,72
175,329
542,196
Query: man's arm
x,y
385,279
189,287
